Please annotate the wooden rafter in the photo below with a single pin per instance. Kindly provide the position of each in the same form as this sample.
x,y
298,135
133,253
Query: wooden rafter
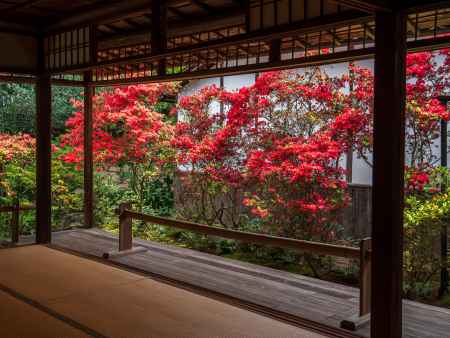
x,y
204,6
177,12
370,6
14,8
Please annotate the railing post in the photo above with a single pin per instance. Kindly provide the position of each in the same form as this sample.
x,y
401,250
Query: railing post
x,y
125,228
15,222
365,276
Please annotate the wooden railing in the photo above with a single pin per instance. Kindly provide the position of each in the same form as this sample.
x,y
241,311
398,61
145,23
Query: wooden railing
x,y
363,253
15,210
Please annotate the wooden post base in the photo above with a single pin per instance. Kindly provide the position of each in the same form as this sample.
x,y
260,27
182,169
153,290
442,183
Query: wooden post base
x,y
355,322
117,254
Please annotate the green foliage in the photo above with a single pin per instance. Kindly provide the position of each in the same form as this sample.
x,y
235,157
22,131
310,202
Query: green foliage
x,y
67,198
423,221
154,195
19,178
426,212
17,108
62,107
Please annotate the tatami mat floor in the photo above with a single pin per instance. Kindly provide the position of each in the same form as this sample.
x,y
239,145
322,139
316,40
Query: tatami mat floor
x,y
49,293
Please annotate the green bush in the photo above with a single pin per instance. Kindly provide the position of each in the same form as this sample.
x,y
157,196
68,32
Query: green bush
x,y
423,221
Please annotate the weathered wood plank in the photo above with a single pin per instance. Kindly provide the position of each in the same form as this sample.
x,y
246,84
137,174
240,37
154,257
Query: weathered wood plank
x,y
282,291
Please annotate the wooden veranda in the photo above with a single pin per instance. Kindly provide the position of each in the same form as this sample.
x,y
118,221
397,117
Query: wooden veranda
x,y
92,43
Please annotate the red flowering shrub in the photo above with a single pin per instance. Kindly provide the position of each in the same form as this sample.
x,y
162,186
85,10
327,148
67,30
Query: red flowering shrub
x,y
129,133
126,127
279,142
274,146
427,78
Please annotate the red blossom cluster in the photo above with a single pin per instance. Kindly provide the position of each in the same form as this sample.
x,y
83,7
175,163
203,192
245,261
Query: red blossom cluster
x,y
126,126
281,139
417,180
428,76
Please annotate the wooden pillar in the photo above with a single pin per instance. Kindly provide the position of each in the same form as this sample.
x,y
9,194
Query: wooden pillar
x,y
88,155
443,289
159,32
15,220
125,228
388,175
43,152
275,51
365,276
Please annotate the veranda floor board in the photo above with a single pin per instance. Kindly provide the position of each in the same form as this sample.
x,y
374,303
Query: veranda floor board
x,y
296,295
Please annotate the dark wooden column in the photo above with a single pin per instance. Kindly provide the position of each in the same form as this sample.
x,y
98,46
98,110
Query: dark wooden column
x,y
389,139
43,153
275,51
88,157
159,32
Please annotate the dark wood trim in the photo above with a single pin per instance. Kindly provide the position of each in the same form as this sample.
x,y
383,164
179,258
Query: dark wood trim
x,y
365,276
93,44
88,153
6,27
7,11
369,6
17,70
429,44
159,32
247,237
323,59
70,83
125,228
104,12
17,79
444,280
411,6
310,25
388,175
43,152
275,51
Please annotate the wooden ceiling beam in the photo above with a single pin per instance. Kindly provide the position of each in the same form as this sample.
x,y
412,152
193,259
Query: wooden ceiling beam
x,y
372,6
177,12
103,12
204,6
132,23
369,6
7,11
182,27
108,11
8,27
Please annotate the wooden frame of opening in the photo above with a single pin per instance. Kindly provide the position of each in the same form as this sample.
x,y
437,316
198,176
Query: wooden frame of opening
x,y
389,50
